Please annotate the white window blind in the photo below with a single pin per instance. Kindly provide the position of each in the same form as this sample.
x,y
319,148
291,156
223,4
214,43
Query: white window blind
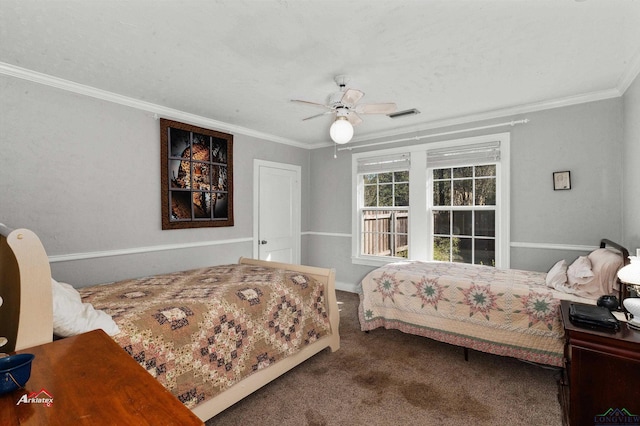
x,y
467,154
388,163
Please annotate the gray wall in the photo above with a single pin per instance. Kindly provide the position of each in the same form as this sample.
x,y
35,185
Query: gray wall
x,y
631,168
84,175
586,139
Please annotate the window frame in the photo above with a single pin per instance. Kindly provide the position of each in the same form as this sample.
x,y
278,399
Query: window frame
x,y
452,209
393,209
359,184
420,195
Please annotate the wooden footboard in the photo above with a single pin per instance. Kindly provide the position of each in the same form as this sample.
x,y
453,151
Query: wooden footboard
x,y
26,314
250,384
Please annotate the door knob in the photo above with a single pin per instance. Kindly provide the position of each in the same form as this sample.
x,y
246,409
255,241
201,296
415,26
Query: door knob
x,y
263,241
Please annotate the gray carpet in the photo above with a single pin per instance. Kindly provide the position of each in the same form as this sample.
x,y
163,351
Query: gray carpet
x,y
387,377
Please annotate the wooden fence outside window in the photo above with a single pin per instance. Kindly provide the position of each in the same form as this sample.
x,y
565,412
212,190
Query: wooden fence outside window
x,y
385,233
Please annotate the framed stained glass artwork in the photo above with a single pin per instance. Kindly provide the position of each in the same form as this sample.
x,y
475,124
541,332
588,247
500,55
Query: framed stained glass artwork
x,y
196,176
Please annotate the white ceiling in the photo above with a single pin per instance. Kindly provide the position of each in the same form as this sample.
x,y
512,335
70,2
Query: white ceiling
x,y
240,62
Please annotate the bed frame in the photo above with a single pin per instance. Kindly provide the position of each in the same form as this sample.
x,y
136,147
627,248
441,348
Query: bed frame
x,y
260,378
26,317
443,328
623,292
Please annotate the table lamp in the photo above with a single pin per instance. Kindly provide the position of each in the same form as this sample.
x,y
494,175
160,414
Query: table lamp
x,y
630,275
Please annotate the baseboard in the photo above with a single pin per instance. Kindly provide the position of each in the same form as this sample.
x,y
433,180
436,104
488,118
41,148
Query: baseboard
x,y
348,287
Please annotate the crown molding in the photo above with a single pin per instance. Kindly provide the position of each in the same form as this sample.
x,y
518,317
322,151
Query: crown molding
x,y
494,114
159,110
630,75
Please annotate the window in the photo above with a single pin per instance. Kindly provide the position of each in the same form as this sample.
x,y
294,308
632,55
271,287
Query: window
x,y
384,206
459,208
463,214
463,202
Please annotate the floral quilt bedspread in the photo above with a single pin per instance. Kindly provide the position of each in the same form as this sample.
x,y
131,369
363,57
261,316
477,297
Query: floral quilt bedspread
x,y
199,332
504,312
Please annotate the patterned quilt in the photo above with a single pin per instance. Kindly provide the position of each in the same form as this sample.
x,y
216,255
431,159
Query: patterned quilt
x,y
199,332
501,311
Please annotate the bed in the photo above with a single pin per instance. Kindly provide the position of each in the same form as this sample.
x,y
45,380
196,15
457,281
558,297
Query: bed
x,y
211,336
505,312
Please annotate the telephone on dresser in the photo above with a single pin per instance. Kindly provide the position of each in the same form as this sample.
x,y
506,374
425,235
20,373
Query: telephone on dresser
x,y
608,301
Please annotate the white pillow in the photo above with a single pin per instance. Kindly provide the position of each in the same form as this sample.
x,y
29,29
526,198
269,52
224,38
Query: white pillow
x,y
557,275
580,270
71,316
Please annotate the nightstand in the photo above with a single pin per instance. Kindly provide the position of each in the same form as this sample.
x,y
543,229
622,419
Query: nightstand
x,y
601,378
90,380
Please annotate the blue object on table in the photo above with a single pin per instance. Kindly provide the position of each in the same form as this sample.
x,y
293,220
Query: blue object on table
x,y
15,371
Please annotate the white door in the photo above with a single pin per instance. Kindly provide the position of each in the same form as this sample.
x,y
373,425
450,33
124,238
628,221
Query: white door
x,y
277,194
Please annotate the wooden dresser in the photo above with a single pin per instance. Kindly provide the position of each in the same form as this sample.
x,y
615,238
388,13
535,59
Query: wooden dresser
x,y
602,374
90,380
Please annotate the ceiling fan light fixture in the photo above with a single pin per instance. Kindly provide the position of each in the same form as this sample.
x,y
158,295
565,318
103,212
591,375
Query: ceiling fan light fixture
x,y
347,109
341,130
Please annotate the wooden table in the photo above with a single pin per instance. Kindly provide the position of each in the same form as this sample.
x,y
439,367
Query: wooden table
x,y
602,372
91,381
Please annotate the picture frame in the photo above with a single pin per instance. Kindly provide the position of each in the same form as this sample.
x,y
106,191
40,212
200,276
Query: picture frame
x,y
561,180
196,176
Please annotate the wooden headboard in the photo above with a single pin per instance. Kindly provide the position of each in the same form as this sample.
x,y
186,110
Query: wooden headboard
x,y
623,292
608,243
26,315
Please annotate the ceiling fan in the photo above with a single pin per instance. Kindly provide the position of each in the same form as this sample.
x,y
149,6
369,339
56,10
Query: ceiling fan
x,y
344,105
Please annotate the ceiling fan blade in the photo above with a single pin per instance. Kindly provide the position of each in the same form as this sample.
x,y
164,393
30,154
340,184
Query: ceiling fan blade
x,y
354,119
386,108
351,97
317,115
313,104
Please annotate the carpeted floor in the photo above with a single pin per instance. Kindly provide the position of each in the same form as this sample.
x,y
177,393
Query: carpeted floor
x,y
387,377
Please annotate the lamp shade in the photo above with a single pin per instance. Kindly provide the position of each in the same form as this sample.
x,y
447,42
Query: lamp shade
x,y
630,274
341,130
